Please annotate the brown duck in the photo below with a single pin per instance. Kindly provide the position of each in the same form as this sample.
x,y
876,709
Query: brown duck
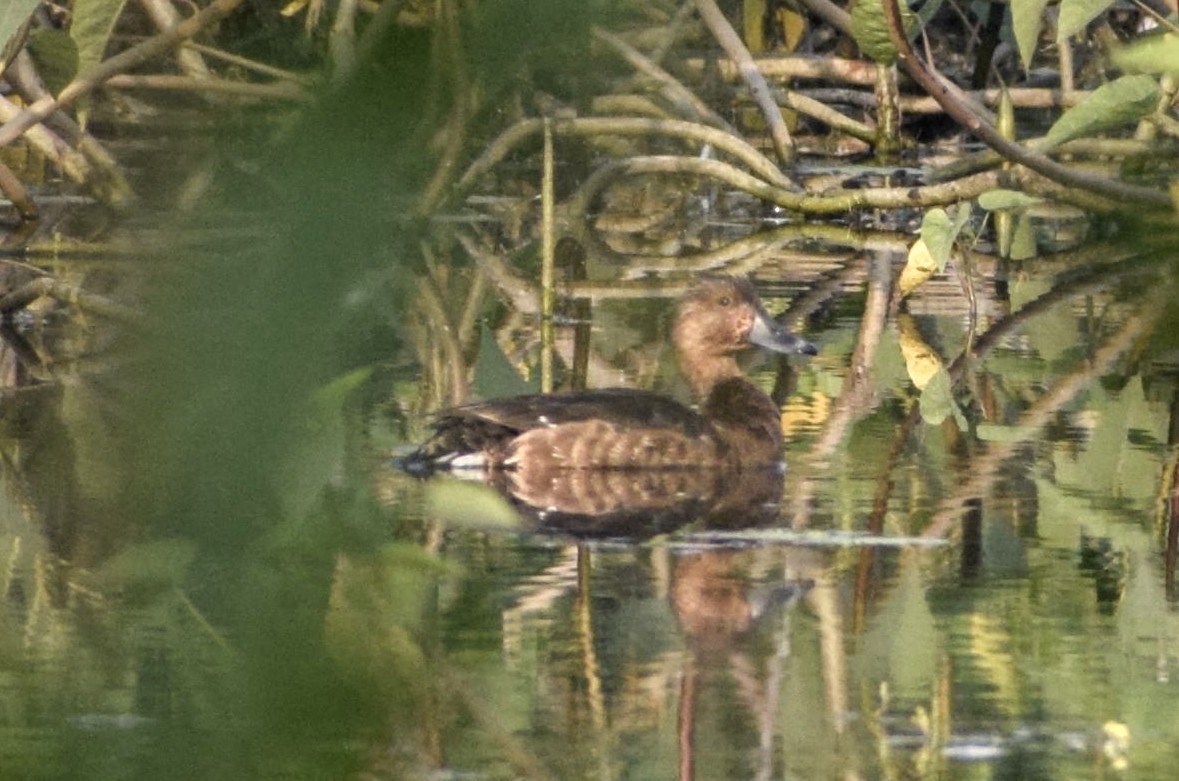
x,y
736,427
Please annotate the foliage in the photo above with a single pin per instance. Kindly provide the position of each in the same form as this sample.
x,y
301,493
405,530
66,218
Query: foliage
x,y
91,27
13,15
1156,54
870,31
1115,104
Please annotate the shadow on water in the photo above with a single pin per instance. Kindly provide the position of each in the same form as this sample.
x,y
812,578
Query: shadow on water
x,y
212,571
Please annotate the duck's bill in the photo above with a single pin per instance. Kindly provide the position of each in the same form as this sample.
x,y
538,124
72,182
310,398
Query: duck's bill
x,y
770,335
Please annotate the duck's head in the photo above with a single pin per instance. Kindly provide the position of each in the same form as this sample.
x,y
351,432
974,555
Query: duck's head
x,y
723,315
719,318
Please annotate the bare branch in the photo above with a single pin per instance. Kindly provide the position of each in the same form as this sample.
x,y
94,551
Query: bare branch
x,y
86,82
727,37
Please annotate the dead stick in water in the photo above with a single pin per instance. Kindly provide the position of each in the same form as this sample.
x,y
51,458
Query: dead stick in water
x,y
548,296
727,37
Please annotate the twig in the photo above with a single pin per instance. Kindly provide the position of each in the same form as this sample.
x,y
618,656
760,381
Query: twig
x,y
443,330
342,40
856,398
727,37
374,32
837,203
825,114
164,15
87,81
962,113
22,75
247,63
1021,97
548,293
624,126
67,294
1078,147
107,183
793,67
671,31
460,111
830,13
276,91
673,89
15,191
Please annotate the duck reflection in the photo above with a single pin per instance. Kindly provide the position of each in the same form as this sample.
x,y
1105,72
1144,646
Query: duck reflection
x,y
641,503
723,612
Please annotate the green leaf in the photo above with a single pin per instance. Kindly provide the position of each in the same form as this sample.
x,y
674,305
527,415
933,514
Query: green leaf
x,y
55,55
460,503
993,432
1115,104
494,374
13,14
939,230
1023,242
1157,54
996,200
330,398
870,30
1026,16
1075,14
937,400
91,28
306,471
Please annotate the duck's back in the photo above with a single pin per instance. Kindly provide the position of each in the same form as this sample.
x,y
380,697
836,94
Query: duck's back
x,y
610,428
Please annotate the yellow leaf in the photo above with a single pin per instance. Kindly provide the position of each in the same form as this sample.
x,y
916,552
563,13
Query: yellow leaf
x,y
919,267
921,362
293,7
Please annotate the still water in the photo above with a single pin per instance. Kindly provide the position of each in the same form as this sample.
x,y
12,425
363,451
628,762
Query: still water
x,y
968,572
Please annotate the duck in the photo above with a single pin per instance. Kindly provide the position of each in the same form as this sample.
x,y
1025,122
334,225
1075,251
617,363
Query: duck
x,y
733,426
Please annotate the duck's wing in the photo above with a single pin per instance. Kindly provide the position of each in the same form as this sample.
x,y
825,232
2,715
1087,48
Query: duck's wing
x,y
488,427
623,407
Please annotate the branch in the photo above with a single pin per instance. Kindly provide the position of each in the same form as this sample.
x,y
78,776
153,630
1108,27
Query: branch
x,y
727,37
676,92
280,90
15,191
93,77
988,134
840,202
164,15
342,40
625,126
88,164
830,13
67,294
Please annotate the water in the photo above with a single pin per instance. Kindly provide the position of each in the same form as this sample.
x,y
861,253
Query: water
x,y
1008,614
950,586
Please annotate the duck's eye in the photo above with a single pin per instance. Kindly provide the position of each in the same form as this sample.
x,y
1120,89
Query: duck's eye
x,y
725,301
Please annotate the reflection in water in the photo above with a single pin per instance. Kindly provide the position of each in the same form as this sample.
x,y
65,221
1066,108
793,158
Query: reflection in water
x,y
938,417
718,609
642,503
